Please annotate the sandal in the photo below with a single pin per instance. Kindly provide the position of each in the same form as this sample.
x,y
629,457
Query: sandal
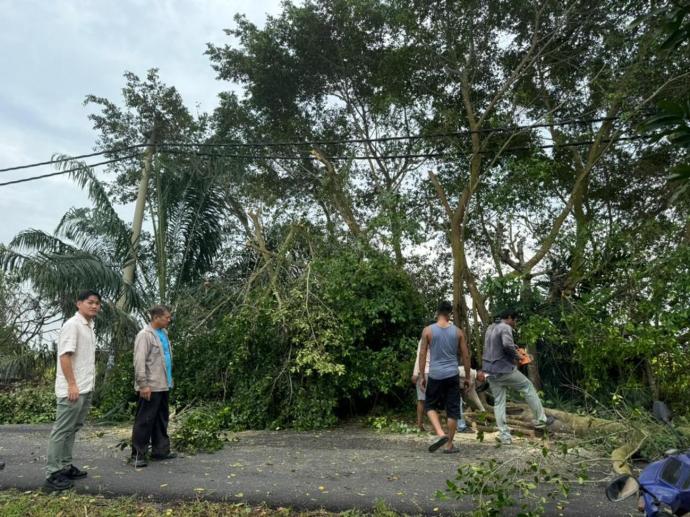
x,y
452,450
438,443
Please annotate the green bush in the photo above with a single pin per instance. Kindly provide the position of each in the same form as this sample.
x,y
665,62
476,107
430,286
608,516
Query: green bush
x,y
115,398
27,404
313,408
342,335
391,424
198,430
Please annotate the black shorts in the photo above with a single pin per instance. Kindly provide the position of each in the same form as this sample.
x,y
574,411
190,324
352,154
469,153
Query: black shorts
x,y
443,394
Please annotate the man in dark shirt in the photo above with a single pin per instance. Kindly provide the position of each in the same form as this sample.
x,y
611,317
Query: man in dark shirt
x,y
499,364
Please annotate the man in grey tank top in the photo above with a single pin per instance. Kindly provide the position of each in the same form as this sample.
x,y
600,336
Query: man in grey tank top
x,y
446,344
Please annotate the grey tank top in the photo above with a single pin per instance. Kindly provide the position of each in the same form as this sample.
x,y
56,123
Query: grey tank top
x,y
444,352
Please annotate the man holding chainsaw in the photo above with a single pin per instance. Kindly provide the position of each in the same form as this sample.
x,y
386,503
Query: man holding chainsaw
x,y
500,361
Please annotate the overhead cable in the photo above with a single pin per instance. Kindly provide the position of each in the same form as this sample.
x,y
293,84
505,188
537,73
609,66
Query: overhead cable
x,y
393,156
421,136
59,173
308,143
72,158
335,158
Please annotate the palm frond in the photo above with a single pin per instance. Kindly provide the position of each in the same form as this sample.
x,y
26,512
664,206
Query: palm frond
x,y
38,241
96,190
25,364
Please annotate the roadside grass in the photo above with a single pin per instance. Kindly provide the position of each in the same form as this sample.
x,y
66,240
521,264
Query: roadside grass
x,y
14,503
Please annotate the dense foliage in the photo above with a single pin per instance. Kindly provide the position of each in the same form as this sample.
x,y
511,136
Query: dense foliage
x,y
342,338
550,175
27,405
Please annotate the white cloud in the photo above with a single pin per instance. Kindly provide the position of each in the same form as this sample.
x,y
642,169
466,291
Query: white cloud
x,y
56,52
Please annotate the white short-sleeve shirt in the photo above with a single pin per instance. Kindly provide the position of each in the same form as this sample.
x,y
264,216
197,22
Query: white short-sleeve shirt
x,y
77,336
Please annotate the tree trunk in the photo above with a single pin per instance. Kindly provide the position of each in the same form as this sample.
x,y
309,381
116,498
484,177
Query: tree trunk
x,y
651,378
581,238
137,222
340,198
459,305
533,367
161,232
396,234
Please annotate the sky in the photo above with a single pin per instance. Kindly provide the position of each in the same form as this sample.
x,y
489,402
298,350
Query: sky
x,y
56,52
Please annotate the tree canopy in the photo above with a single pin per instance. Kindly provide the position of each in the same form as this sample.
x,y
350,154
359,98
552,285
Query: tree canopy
x,y
381,156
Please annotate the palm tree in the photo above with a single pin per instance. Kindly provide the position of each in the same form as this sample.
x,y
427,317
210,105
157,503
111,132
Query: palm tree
x,y
85,251
91,245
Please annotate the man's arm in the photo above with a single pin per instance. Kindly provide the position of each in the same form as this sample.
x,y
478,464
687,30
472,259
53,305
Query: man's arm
x,y
67,345
68,372
509,346
423,351
464,356
415,372
140,351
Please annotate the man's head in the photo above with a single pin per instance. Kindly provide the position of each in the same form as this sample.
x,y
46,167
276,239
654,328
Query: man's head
x,y
509,316
160,316
89,303
444,310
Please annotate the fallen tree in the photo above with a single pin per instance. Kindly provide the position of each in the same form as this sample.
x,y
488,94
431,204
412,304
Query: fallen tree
x,y
629,436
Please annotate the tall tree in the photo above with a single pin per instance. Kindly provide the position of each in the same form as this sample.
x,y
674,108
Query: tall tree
x,y
333,70
181,202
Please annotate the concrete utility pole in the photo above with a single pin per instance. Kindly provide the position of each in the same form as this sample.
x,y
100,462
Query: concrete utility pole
x,y
137,222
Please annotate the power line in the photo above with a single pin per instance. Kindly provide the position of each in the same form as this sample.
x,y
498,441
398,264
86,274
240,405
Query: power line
x,y
71,158
297,157
323,142
430,136
394,156
59,173
309,157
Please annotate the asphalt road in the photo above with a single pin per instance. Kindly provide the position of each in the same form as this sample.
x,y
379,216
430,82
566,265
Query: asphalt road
x,y
339,469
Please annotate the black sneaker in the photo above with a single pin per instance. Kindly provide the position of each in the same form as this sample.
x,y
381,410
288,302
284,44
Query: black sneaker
x,y
57,482
2,465
545,425
73,472
138,463
161,457
482,387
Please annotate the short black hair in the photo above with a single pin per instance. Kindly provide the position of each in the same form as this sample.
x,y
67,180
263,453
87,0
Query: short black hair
x,y
509,314
158,310
88,293
445,308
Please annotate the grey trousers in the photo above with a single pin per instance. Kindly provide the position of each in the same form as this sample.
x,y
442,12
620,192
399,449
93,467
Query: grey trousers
x,y
499,384
69,419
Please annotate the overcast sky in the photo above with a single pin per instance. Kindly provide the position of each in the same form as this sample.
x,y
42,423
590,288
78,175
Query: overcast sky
x,y
54,52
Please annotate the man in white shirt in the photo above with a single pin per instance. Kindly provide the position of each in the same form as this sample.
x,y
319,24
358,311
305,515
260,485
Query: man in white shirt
x,y
471,392
417,381
74,384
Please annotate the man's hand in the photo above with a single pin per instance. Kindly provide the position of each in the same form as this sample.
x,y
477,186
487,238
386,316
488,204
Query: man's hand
x,y
72,392
145,393
414,379
466,384
422,385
